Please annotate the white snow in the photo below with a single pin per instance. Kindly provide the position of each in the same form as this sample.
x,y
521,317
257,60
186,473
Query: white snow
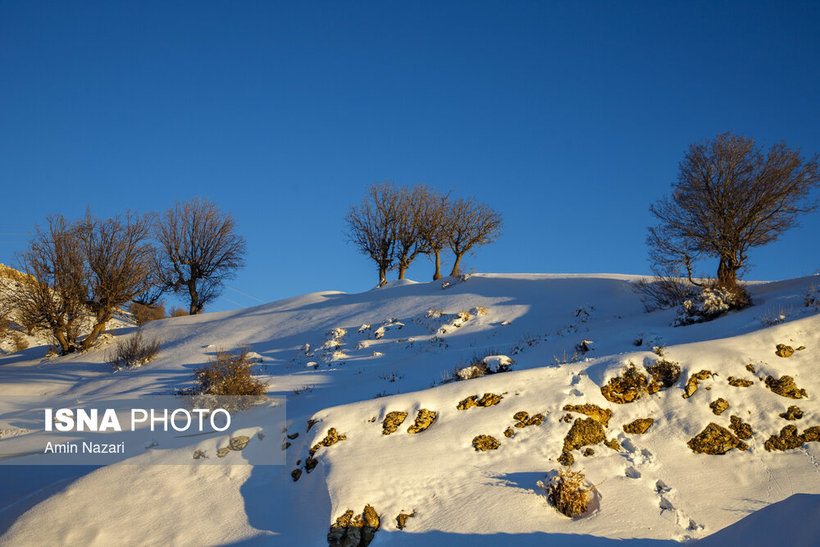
x,y
346,360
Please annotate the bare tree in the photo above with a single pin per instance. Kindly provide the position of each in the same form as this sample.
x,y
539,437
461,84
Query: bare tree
x,y
118,258
198,250
52,295
414,211
470,224
82,269
730,196
373,225
435,227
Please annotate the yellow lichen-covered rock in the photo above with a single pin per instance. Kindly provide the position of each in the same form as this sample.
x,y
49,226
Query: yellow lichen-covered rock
x,y
482,443
692,383
739,382
392,421
789,438
792,413
719,406
600,415
424,420
785,386
782,350
639,426
715,440
629,386
741,429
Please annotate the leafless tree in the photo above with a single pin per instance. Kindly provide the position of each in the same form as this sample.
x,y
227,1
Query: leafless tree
x,y
52,295
435,227
198,250
470,223
80,270
730,196
118,258
414,211
373,225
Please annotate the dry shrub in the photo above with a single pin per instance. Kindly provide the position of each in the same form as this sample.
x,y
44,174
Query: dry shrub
x,y
567,494
663,292
229,374
177,312
664,372
132,352
144,313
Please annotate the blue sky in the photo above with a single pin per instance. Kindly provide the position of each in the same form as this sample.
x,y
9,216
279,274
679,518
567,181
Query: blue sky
x,y
570,118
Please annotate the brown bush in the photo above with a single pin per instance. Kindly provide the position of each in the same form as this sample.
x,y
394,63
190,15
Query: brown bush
x,y
229,374
177,312
132,352
144,313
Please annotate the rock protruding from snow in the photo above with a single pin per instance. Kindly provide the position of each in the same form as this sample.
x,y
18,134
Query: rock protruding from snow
x,y
424,420
600,415
789,438
639,426
792,413
719,406
354,531
715,440
392,421
482,443
785,387
488,399
692,383
629,386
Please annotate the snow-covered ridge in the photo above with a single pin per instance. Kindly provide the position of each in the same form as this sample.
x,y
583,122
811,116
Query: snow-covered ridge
x,y
345,361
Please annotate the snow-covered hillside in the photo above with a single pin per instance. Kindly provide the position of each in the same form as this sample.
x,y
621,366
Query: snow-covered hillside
x,y
351,364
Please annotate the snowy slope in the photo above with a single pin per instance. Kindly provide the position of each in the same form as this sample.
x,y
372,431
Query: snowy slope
x,y
347,360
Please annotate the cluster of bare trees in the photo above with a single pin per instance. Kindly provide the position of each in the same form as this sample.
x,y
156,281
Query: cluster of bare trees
x,y
393,225
731,195
91,267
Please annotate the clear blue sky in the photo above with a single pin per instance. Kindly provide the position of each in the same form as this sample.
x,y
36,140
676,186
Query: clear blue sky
x,y
568,117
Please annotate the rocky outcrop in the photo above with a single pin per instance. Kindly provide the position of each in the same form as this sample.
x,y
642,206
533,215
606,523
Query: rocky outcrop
x,y
392,421
692,383
354,531
639,426
789,438
785,387
741,429
739,382
424,420
523,419
600,415
792,413
719,406
482,443
715,440
629,386
330,439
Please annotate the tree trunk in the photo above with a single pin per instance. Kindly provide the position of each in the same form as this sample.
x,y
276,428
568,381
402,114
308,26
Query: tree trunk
x,y
402,270
95,332
437,274
194,308
456,265
65,347
727,273
382,276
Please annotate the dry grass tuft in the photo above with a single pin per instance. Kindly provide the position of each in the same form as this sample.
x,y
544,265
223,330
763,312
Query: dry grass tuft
x,y
132,352
566,492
